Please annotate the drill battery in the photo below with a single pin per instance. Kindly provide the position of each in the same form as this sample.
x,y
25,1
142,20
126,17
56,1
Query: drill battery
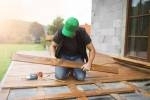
x,y
32,77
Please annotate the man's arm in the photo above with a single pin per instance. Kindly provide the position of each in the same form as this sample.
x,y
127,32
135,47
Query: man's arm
x,y
87,66
53,47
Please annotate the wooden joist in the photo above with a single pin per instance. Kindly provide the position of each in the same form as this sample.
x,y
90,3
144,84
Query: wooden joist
x,y
78,94
62,62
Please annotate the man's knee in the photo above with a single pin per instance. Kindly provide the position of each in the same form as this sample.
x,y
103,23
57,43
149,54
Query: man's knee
x,y
80,77
61,73
79,74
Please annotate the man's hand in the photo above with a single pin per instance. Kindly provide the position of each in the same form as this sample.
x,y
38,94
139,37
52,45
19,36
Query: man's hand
x,y
53,47
86,67
53,57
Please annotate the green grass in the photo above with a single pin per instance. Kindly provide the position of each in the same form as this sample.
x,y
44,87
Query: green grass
x,y
6,51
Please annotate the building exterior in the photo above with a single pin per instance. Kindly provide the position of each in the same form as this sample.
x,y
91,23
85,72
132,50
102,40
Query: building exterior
x,y
122,27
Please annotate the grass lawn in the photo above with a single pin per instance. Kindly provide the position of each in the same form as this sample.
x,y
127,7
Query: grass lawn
x,y
6,51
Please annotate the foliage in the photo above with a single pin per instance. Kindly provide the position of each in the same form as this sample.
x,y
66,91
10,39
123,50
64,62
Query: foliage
x,y
37,32
57,23
14,31
18,31
43,42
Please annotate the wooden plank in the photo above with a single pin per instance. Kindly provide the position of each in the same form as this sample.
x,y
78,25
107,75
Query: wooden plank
x,y
6,74
36,83
81,95
132,61
74,90
21,68
139,90
62,62
4,94
137,68
82,98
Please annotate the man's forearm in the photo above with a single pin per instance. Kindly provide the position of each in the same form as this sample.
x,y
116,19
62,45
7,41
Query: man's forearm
x,y
52,50
91,53
91,56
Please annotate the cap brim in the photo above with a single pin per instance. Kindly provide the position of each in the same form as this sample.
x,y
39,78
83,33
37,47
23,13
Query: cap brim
x,y
67,33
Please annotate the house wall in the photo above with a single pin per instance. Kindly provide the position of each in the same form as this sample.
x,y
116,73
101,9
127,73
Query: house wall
x,y
108,26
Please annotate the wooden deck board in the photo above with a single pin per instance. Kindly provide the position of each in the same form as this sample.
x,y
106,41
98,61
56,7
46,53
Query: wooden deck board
x,y
132,61
4,94
20,69
15,78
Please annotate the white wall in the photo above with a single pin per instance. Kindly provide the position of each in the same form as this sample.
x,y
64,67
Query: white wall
x,y
108,25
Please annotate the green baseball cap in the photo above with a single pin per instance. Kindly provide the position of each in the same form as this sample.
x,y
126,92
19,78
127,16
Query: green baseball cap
x,y
70,26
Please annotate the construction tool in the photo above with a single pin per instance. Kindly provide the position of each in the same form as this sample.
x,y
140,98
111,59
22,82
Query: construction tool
x,y
34,76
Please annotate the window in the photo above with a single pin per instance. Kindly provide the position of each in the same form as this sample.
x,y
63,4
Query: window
x,y
138,30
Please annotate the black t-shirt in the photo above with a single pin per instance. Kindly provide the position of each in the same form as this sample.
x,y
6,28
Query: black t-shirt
x,y
71,45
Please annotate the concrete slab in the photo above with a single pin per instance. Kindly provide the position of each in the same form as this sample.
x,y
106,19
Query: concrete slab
x,y
114,85
101,98
134,96
87,87
56,90
21,93
145,85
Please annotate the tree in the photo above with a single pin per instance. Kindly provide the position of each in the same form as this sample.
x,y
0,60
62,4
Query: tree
x,y
57,23
37,32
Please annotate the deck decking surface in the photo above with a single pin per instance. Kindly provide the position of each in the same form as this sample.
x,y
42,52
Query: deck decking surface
x,y
15,81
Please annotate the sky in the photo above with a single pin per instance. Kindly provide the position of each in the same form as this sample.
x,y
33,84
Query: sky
x,y
45,11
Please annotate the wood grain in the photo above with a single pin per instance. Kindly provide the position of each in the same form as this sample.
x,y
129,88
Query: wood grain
x,y
62,62
133,62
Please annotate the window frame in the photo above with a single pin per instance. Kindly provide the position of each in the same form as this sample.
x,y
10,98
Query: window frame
x,y
128,21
